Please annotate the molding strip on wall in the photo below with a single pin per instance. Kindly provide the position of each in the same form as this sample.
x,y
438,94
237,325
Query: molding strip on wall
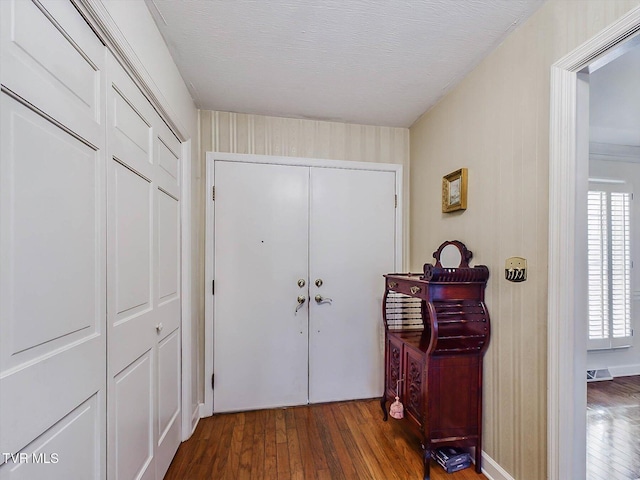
x,y
97,16
492,470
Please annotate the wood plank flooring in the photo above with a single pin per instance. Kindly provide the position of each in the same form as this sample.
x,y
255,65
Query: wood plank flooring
x,y
613,429
342,440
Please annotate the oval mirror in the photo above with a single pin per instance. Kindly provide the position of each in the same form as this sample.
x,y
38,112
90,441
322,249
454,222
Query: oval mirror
x,y
450,256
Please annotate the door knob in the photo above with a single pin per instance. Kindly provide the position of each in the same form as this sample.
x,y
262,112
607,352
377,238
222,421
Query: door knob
x,y
301,300
319,282
320,299
159,327
301,283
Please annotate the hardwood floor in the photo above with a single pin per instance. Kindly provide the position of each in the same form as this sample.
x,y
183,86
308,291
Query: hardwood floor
x,y
343,440
613,429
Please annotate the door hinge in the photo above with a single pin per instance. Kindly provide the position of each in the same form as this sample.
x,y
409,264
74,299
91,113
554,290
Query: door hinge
x,y
396,201
213,287
213,193
212,377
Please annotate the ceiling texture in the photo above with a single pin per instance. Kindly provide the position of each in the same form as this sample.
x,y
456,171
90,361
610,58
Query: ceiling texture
x,y
374,62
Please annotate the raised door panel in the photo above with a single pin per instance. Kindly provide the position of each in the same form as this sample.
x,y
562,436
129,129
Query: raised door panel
x,y
168,153
455,410
134,411
131,274
394,367
261,241
52,59
414,365
58,453
130,118
351,245
41,161
168,248
168,400
132,229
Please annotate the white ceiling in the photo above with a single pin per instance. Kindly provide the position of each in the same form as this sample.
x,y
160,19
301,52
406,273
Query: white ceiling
x,y
376,62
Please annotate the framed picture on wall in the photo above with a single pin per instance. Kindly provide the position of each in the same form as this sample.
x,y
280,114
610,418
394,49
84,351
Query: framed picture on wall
x,y
454,191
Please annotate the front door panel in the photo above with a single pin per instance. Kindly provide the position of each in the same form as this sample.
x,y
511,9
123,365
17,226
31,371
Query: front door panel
x,y
261,240
352,244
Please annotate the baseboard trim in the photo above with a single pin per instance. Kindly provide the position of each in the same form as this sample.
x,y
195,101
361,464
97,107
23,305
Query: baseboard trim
x,y
492,470
203,411
625,370
195,418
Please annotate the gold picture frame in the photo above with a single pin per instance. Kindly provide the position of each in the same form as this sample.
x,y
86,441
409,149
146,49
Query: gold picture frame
x,y
454,191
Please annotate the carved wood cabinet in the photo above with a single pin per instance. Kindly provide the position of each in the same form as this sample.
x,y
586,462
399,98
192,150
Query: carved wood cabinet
x,y
437,330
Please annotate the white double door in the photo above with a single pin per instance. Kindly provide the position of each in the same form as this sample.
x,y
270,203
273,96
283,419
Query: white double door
x,y
299,257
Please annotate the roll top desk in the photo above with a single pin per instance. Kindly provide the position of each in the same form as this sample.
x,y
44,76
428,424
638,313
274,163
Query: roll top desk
x,y
436,333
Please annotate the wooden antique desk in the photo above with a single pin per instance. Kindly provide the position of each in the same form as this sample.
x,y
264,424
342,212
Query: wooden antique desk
x,y
436,333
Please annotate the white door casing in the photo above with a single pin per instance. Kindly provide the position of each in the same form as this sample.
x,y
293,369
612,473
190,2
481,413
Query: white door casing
x,y
143,281
52,244
567,339
353,185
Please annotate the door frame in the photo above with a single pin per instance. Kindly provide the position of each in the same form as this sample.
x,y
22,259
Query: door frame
x,y
211,157
567,336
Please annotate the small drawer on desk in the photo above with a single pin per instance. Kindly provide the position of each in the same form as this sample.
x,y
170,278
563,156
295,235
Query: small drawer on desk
x,y
406,287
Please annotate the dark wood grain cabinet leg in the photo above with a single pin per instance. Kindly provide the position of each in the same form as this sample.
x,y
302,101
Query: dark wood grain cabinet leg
x,y
383,405
426,458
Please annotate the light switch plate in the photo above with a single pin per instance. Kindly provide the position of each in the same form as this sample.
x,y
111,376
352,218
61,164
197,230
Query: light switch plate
x,y
515,269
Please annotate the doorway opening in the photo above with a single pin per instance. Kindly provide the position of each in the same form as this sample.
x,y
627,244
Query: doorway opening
x,y
297,272
568,183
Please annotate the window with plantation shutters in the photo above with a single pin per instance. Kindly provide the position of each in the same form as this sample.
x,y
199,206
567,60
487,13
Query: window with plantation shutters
x,y
609,266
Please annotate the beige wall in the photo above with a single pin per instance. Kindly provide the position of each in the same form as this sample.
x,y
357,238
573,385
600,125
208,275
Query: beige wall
x,y
496,123
261,135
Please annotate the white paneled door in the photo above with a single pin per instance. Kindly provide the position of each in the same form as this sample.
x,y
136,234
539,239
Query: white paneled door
x,y
143,245
279,229
52,244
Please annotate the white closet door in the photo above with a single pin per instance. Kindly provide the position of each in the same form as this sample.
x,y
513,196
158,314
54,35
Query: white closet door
x,y
52,244
167,296
261,238
352,244
143,265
